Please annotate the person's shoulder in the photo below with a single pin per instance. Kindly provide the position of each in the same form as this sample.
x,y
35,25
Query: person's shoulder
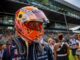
x,y
77,41
66,44
71,40
47,47
56,44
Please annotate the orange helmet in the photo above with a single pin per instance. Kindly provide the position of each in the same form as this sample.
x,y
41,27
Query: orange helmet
x,y
29,23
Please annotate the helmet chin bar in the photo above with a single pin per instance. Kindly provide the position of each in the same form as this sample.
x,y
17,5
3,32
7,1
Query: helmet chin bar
x,y
29,38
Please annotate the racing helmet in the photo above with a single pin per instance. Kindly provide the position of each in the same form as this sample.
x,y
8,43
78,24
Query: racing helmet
x,y
29,22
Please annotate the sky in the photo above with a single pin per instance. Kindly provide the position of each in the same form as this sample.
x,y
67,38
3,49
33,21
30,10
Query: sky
x,y
74,2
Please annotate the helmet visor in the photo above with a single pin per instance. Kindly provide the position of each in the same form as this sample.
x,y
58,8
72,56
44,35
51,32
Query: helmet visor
x,y
34,25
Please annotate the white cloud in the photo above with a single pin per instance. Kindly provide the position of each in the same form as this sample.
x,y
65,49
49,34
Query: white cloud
x,y
74,2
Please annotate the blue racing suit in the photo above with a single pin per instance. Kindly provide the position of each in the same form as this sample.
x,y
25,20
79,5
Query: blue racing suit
x,y
13,53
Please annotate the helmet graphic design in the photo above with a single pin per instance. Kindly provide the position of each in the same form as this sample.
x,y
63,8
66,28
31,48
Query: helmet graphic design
x,y
29,23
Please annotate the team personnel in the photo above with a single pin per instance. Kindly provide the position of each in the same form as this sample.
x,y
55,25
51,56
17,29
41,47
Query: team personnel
x,y
29,22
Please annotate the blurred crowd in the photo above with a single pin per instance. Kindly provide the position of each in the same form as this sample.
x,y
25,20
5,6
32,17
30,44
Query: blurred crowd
x,y
61,44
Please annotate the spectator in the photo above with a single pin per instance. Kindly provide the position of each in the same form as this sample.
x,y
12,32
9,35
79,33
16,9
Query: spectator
x,y
2,47
61,49
78,50
51,43
73,45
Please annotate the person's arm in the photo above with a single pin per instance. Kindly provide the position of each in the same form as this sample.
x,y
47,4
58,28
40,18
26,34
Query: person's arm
x,y
70,44
77,44
50,54
55,54
68,49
